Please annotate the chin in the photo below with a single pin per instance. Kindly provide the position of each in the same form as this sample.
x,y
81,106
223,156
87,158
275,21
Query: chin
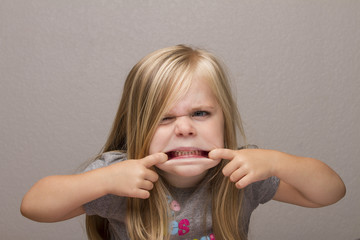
x,y
189,171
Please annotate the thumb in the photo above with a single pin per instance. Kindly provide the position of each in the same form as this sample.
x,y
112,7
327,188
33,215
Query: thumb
x,y
154,159
222,153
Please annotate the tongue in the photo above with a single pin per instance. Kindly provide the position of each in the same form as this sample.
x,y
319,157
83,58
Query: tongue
x,y
172,154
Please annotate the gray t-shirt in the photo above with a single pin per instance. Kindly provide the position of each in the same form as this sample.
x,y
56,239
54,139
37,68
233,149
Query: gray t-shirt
x,y
190,207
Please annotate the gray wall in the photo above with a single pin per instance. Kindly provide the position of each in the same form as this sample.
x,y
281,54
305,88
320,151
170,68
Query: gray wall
x,y
295,65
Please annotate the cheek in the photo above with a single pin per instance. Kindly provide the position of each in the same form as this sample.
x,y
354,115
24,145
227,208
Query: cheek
x,y
218,137
153,144
213,138
217,133
157,141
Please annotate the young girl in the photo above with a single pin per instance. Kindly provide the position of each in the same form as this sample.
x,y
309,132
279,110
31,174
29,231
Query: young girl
x,y
172,167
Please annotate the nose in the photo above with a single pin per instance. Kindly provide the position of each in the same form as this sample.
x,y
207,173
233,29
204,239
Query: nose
x,y
184,127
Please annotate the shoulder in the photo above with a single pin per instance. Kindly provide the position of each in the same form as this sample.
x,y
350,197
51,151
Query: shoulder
x,y
106,159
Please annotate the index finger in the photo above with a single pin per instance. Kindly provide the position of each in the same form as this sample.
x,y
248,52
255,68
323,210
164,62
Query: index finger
x,y
222,153
154,159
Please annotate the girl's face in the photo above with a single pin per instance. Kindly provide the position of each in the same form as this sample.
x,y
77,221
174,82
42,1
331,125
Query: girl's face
x,y
193,127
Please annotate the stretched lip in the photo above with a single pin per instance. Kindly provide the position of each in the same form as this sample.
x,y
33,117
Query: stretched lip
x,y
187,153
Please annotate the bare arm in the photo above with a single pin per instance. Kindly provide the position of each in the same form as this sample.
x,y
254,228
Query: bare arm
x,y
306,181
303,181
57,198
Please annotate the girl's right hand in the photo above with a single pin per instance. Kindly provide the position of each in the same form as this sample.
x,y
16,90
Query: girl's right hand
x,y
60,197
133,178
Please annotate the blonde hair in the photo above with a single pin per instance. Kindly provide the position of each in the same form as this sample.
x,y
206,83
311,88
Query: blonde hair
x,y
151,87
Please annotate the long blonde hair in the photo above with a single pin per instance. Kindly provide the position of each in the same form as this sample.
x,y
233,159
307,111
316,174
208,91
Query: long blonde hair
x,y
151,87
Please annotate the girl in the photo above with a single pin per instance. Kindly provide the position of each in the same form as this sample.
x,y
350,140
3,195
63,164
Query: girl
x,y
171,167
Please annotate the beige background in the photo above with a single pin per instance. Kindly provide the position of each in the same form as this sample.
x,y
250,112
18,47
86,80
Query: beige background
x,y
295,65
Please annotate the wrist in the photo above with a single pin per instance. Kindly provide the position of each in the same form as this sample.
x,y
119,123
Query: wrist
x,y
276,162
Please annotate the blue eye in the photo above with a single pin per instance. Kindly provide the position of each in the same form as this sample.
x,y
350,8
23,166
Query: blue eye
x,y
200,114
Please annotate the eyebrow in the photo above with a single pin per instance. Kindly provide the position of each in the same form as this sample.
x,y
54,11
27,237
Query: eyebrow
x,y
203,107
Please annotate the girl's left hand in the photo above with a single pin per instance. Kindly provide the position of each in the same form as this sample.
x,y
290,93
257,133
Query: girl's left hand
x,y
246,165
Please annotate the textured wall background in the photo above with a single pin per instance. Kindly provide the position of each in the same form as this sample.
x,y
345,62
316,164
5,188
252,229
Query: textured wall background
x,y
295,65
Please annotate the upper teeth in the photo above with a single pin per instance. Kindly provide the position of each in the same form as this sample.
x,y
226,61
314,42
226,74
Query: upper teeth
x,y
185,153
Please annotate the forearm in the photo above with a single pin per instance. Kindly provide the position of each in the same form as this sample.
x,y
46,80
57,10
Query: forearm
x,y
53,198
312,178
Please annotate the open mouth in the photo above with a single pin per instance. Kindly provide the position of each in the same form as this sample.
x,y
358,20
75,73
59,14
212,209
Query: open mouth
x,y
174,154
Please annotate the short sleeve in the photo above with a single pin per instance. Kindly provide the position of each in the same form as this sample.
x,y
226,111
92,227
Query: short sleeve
x,y
108,206
257,193
262,191
106,159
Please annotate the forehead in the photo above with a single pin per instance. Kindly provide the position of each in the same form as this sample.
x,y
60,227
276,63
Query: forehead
x,y
199,95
